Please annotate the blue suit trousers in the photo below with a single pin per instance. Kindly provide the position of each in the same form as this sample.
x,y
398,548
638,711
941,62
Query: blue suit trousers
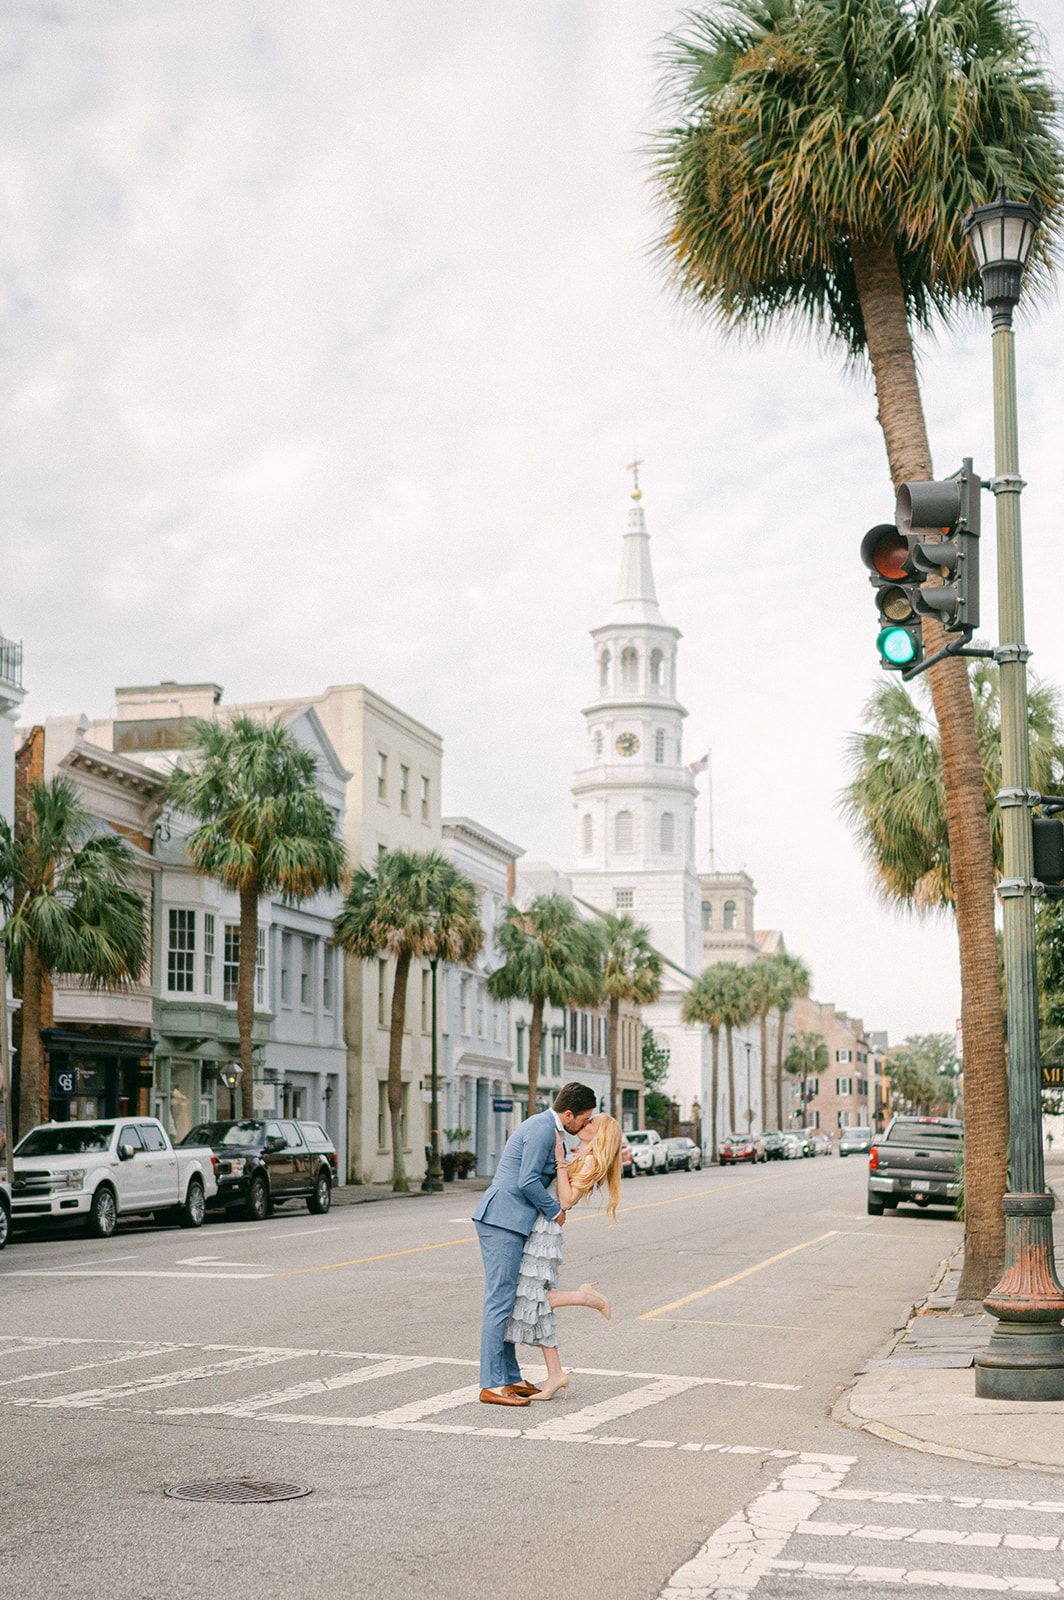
x,y
501,1250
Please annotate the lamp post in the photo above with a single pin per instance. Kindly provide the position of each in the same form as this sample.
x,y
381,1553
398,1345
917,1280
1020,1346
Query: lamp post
x,y
433,1183
749,1105
231,1075
1025,1357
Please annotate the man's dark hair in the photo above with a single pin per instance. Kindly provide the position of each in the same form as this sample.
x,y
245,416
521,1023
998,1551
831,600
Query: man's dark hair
x,y
575,1097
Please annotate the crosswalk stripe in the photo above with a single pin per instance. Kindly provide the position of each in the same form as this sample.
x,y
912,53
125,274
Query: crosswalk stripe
x,y
418,1409
894,1497
88,1366
84,1398
299,1391
921,1578
620,1405
978,1539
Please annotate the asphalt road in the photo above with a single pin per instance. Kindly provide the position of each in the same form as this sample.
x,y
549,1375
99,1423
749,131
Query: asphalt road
x,y
340,1353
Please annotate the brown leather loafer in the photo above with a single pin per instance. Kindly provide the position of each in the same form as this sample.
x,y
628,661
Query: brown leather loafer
x,y
492,1397
523,1388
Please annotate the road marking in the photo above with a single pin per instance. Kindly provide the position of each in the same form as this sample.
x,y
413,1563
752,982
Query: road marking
x,y
895,1535
709,1322
620,1405
418,1409
969,1502
922,1579
299,1391
88,1272
103,1261
304,1233
85,1398
389,1255
747,1272
85,1366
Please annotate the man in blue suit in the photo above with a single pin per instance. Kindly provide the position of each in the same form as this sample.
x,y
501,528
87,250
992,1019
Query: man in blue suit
x,y
504,1220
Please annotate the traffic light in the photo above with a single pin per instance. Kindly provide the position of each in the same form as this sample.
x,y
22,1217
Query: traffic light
x,y
1048,841
935,533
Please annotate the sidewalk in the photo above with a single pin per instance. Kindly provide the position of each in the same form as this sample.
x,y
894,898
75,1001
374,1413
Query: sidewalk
x,y
362,1194
921,1392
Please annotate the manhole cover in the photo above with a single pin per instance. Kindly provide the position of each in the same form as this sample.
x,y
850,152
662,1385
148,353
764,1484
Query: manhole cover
x,y
247,1491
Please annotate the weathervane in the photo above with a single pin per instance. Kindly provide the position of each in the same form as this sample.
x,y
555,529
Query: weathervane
x,y
633,467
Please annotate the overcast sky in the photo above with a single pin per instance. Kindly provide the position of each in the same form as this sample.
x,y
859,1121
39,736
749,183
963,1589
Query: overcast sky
x,y
328,331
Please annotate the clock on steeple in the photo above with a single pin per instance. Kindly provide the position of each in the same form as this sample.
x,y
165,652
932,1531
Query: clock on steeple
x,y
627,744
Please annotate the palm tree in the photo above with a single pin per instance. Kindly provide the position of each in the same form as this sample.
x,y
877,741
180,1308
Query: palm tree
x,y
822,155
632,972
262,827
416,904
71,909
721,997
795,979
807,1058
769,991
551,958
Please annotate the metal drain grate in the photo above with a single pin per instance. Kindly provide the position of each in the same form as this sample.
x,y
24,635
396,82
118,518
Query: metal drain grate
x,y
245,1491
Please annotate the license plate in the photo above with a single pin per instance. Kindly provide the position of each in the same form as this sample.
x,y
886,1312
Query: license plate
x,y
920,1184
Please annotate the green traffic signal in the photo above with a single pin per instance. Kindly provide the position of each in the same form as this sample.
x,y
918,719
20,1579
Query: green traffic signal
x,y
898,646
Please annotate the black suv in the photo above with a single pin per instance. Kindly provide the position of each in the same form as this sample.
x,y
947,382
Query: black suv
x,y
262,1164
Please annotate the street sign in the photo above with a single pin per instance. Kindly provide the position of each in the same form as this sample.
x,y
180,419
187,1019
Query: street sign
x,y
64,1080
1053,1075
502,1105
263,1097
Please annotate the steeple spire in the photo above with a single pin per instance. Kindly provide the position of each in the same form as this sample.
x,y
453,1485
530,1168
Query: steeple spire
x,y
636,598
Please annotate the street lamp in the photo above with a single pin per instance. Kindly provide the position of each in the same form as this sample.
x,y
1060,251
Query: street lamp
x,y
433,1183
749,1101
1025,1357
231,1075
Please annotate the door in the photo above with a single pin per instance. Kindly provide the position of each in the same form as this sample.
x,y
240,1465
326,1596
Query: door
x,y
133,1177
301,1155
280,1163
162,1164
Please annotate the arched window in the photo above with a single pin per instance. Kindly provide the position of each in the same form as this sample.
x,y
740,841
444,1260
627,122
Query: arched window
x,y
656,659
668,833
587,834
604,669
659,746
729,916
624,831
630,668
707,916
597,744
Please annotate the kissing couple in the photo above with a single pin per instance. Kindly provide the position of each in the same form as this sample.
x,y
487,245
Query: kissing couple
x,y
519,1225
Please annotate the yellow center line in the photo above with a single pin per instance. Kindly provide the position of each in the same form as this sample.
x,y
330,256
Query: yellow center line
x,y
746,1273
594,1216
708,1322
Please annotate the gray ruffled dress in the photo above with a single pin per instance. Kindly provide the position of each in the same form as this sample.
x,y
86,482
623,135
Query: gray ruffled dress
x,y
532,1321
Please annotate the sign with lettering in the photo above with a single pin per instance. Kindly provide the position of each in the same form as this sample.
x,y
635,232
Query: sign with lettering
x,y
1053,1075
64,1080
502,1105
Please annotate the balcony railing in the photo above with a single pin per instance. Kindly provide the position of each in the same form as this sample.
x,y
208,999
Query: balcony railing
x,y
10,662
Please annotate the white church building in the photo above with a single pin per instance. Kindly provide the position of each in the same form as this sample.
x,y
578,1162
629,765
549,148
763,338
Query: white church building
x,y
634,801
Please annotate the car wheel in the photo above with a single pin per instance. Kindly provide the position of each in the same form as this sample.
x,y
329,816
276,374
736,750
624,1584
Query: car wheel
x,y
195,1207
319,1202
5,1223
875,1208
103,1213
257,1204
687,1164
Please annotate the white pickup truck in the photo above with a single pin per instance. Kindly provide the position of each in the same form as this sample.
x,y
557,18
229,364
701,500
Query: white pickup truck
x,y
104,1170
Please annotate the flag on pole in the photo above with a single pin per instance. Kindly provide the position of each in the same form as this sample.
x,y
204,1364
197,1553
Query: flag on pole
x,y
700,765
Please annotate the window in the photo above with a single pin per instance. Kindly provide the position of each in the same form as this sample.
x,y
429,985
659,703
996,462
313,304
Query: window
x,y
426,1000
498,1013
583,1033
260,967
464,1007
382,776
597,744
587,835
286,969
602,1049
813,1085
230,962
382,1116
668,833
659,746
843,1085
862,1087
623,899
629,668
482,1028
707,916
656,659
844,1119
306,968
382,994
181,956
604,669
520,1052
556,1042
730,923
843,1055
624,831
404,789
425,800
574,1024
208,952
326,977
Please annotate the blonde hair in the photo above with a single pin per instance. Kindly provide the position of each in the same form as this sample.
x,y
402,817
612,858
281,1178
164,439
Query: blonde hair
x,y
600,1165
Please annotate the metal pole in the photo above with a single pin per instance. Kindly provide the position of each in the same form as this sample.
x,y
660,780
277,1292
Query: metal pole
x,y
1025,1357
6,1168
435,1170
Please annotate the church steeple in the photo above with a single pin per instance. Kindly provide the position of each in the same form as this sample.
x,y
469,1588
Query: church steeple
x,y
636,599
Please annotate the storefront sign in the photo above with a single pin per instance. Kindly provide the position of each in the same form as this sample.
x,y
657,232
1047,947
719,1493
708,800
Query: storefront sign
x,y
502,1105
263,1097
1053,1075
64,1080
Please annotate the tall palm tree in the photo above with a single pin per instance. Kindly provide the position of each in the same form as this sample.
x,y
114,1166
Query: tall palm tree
x,y
769,991
551,958
70,909
262,827
721,997
795,979
822,155
632,971
415,904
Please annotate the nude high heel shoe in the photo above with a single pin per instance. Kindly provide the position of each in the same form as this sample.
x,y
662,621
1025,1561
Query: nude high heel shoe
x,y
550,1389
598,1302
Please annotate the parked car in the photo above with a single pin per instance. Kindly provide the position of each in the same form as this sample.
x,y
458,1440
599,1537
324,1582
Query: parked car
x,y
793,1146
5,1213
683,1152
773,1143
106,1170
915,1159
262,1164
627,1158
820,1143
735,1147
855,1141
648,1150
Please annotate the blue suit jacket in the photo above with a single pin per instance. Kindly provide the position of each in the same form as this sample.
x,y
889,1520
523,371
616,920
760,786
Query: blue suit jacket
x,y
518,1191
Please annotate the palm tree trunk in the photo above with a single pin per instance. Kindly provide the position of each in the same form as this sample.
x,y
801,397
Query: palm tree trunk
x,y
33,1091
763,1018
535,1048
395,1070
971,864
781,1022
715,1032
615,1053
245,992
731,1082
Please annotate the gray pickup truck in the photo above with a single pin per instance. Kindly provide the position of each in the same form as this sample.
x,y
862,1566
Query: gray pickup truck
x,y
915,1161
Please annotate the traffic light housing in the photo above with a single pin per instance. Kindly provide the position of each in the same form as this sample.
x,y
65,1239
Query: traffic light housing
x,y
1048,841
935,533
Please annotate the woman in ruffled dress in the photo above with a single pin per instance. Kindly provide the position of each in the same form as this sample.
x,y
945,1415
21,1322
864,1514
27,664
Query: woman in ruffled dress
x,y
596,1165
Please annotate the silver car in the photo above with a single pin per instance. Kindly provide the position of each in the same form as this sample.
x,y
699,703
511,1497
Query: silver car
x,y
855,1141
683,1152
